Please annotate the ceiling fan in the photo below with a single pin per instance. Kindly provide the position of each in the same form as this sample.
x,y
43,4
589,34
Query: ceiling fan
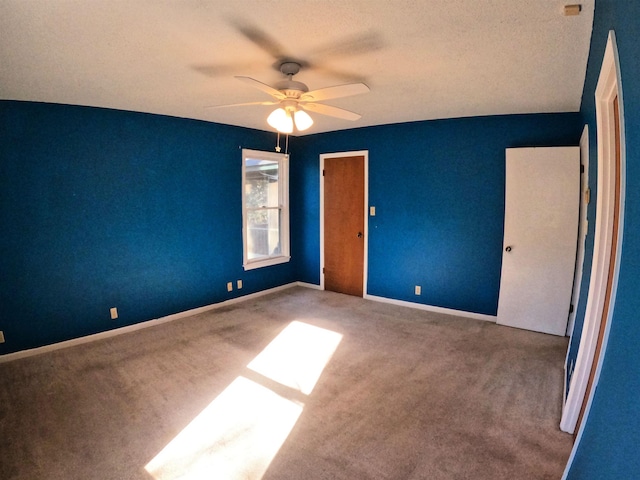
x,y
293,98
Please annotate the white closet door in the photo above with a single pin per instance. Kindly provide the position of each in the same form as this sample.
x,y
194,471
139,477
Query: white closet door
x,y
540,235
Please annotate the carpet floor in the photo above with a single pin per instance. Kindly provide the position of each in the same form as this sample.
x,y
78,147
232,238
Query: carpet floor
x,y
298,384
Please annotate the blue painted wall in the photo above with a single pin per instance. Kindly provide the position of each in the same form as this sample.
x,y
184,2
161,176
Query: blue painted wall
x,y
100,208
438,189
609,445
103,208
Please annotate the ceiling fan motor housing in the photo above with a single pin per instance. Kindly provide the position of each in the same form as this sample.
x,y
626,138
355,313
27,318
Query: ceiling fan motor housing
x,y
291,88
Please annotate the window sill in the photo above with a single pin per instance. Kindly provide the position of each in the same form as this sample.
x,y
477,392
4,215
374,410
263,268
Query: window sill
x,y
266,262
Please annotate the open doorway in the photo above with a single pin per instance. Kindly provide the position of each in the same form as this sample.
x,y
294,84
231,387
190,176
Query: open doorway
x,y
607,243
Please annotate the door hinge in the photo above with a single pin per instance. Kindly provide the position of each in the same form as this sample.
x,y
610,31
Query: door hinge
x,y
571,308
323,173
322,269
582,168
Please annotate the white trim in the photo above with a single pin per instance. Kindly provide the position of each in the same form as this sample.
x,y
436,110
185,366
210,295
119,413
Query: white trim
x,y
564,380
430,308
365,264
8,357
608,87
365,269
266,262
582,229
312,286
146,324
321,221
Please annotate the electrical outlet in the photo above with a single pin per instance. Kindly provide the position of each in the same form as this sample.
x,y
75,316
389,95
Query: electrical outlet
x,y
114,313
1,336
418,290
229,286
372,211
239,284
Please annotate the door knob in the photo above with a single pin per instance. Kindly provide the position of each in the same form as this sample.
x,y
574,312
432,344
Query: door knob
x,y
359,234
508,249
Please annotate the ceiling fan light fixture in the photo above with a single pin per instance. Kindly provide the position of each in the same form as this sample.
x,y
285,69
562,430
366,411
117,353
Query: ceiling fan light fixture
x,y
293,97
281,120
302,120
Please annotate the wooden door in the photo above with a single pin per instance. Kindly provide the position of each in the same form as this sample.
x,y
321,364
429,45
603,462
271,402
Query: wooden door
x,y
344,224
540,233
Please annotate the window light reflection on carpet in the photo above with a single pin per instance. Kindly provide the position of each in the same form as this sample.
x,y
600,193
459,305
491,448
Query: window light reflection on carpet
x,y
240,432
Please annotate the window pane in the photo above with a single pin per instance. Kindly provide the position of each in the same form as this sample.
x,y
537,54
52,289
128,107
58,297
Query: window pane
x,y
261,183
263,228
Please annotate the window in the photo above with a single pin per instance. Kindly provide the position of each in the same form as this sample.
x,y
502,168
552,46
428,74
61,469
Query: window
x,y
265,208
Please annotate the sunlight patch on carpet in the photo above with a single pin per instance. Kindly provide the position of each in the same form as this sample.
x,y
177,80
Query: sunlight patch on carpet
x,y
297,356
240,432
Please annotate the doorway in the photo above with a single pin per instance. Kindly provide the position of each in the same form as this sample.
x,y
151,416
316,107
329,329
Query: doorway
x,y
343,225
585,199
604,316
607,243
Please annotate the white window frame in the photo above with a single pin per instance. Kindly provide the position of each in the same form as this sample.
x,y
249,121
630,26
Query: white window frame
x,y
283,193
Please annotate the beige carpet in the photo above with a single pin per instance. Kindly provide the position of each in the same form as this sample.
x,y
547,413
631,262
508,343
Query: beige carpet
x,y
405,394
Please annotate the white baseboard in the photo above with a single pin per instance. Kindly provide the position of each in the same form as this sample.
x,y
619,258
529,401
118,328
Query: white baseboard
x,y
195,311
309,285
430,308
146,324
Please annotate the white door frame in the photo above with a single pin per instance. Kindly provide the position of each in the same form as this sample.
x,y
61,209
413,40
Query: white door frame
x,y
359,153
608,87
582,228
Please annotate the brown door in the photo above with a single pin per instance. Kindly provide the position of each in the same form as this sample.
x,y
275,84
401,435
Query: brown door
x,y
344,224
612,260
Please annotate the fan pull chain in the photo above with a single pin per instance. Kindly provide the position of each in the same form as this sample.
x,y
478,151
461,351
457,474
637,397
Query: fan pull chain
x,y
278,144
286,148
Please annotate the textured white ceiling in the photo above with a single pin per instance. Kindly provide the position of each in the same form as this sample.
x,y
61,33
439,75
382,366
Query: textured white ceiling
x,y
422,59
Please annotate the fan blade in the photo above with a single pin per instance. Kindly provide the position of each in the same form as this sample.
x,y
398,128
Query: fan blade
x,y
334,92
260,38
330,111
357,44
241,104
262,86
339,74
213,70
